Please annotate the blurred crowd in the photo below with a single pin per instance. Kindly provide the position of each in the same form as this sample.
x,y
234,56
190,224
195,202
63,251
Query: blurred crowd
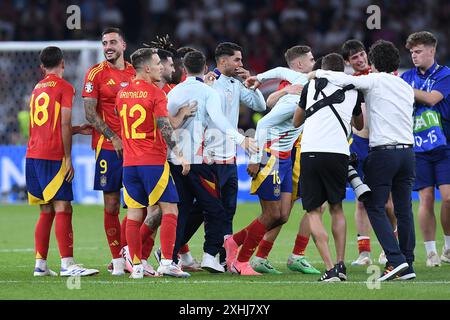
x,y
264,28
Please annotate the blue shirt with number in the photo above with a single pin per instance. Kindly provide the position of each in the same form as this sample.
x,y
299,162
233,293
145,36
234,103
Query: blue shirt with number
x,y
431,124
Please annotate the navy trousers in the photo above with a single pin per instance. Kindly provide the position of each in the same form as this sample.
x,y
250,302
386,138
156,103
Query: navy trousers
x,y
228,184
392,171
200,186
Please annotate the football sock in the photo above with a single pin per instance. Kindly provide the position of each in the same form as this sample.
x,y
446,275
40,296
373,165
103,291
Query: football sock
x,y
430,246
363,244
184,249
240,236
64,233
42,234
112,230
447,242
256,232
123,232
264,248
66,262
301,243
168,234
147,240
134,240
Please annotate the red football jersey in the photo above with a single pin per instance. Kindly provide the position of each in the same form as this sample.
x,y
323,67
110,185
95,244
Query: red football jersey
x,y
167,87
283,84
139,105
369,70
48,97
102,83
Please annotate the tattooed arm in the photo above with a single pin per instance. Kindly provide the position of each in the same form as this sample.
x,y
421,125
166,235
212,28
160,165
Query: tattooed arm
x,y
166,129
90,106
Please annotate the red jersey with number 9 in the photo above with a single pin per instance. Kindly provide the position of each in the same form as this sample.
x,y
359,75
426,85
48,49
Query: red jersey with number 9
x,y
102,83
139,105
48,97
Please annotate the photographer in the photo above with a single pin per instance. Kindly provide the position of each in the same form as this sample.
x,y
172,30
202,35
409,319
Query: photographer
x,y
328,111
390,164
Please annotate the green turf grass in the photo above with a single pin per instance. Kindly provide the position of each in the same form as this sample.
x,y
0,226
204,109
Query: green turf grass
x,y
17,263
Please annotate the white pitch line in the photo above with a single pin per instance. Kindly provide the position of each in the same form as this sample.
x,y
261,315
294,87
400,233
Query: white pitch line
x,y
223,282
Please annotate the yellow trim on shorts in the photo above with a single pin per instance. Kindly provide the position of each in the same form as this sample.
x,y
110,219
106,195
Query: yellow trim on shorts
x,y
35,200
99,146
129,201
263,174
296,173
160,186
52,188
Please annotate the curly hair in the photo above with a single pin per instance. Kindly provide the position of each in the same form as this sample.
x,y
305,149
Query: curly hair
x,y
384,56
423,37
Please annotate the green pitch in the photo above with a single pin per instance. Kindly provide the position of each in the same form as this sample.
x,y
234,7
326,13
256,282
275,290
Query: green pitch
x,y
17,263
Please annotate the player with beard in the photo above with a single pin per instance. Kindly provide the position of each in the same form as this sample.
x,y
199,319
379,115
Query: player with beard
x,y
102,82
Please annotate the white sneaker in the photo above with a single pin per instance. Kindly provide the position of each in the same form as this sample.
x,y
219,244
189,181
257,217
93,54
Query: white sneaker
x,y
77,270
209,263
118,267
148,270
126,256
188,263
38,272
169,268
138,272
382,258
363,259
433,260
445,257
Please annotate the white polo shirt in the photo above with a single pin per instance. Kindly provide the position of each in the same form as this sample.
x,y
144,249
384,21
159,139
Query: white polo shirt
x,y
389,103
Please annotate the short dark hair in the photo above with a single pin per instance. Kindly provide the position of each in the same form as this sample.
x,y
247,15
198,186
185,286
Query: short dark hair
x,y
423,37
181,52
194,62
226,49
142,55
334,62
384,56
318,64
164,54
51,57
295,52
113,30
350,47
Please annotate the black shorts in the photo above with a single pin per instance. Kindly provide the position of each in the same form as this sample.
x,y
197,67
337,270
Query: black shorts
x,y
323,178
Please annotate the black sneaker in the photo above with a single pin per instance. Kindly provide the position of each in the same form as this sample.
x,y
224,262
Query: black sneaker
x,y
330,276
407,274
391,272
341,270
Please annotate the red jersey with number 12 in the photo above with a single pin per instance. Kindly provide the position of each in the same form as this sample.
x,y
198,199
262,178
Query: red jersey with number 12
x,y
139,105
48,97
102,83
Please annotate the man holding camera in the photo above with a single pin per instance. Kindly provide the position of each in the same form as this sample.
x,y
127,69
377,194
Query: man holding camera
x,y
390,165
328,111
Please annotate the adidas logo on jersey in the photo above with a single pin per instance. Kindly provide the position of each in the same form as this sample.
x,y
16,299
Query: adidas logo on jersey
x,y
111,82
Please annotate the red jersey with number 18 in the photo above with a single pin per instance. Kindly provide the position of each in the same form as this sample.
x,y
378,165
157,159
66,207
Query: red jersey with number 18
x,y
139,105
48,97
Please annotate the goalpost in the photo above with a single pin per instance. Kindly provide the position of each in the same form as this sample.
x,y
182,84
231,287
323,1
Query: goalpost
x,y
20,71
